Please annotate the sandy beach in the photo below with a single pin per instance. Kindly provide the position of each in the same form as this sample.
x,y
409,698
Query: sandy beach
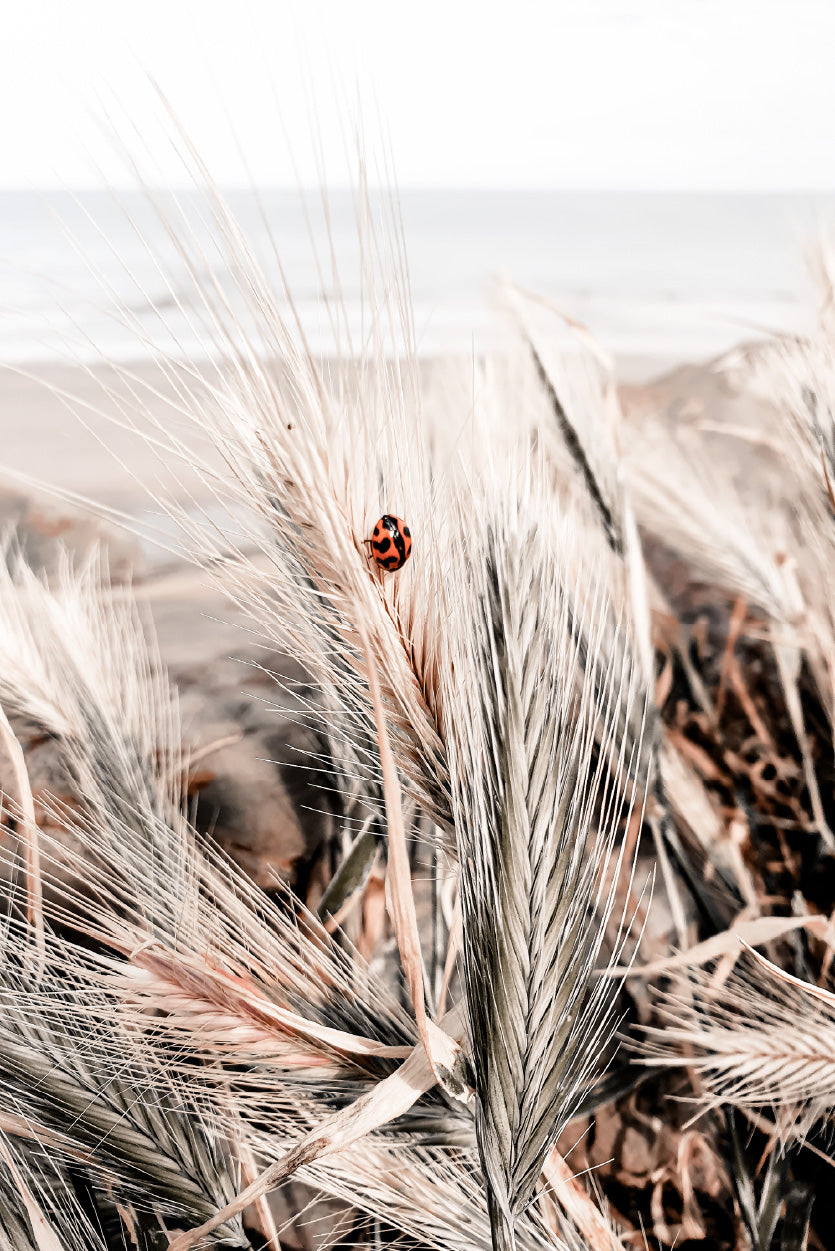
x,y
65,425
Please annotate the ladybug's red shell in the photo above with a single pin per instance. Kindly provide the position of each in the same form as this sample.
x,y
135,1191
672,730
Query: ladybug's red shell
x,y
391,542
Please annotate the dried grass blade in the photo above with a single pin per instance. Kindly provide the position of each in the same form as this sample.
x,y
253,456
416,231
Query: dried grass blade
x,y
759,930
578,1206
441,1050
249,1173
31,843
389,1099
45,1236
809,988
456,930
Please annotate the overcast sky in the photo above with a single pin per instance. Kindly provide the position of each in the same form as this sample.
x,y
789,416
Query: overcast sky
x,y
614,94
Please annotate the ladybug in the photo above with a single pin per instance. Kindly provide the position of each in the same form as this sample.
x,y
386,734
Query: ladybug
x,y
391,542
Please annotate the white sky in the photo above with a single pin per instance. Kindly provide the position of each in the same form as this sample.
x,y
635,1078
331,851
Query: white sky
x,y
615,94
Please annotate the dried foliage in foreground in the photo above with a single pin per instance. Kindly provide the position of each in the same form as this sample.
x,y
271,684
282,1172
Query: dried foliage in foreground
x,y
594,707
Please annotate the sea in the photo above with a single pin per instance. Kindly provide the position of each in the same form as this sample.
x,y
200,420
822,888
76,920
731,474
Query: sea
x,y
656,277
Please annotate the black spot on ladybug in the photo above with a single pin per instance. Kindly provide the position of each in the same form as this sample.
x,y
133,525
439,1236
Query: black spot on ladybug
x,y
383,546
407,532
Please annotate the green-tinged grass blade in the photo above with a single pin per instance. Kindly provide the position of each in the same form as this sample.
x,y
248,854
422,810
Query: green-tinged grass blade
x,y
536,762
741,1178
351,875
772,1192
798,1213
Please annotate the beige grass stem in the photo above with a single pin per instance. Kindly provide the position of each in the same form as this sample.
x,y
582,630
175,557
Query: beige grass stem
x,y
45,1236
29,830
577,1205
441,1050
389,1099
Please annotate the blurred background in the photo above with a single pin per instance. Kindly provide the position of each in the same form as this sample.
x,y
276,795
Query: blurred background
x,y
659,169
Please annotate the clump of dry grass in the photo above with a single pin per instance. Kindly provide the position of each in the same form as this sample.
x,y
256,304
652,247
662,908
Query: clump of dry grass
x,y
605,628
758,1038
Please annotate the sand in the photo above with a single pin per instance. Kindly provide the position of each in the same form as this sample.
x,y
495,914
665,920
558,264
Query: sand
x,y
63,425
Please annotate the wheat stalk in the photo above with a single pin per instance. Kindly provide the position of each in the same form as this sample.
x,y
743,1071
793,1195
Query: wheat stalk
x,y
311,458
536,815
